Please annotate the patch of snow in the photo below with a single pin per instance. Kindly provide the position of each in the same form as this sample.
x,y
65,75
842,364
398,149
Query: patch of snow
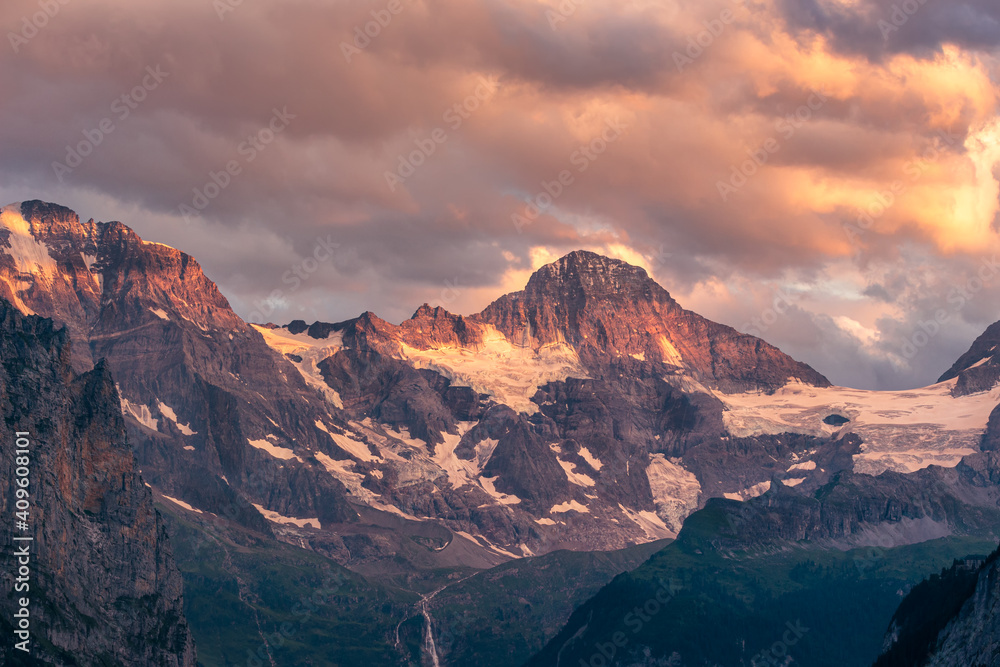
x,y
752,492
670,354
569,506
140,413
488,484
980,362
794,481
460,472
483,542
190,448
169,413
594,462
355,448
675,490
574,477
30,255
545,522
650,523
509,373
903,431
275,451
159,312
345,473
154,243
312,351
806,465
641,356
274,517
182,504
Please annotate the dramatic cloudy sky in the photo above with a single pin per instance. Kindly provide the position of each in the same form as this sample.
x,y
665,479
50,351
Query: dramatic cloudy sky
x,y
875,211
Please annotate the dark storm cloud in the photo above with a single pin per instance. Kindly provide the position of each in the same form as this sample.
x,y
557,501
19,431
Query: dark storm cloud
x,y
880,28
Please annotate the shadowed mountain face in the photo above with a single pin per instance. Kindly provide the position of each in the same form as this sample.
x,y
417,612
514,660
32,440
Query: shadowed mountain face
x,y
99,557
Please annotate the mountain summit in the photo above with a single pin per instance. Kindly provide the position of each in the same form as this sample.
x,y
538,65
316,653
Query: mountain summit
x,y
606,307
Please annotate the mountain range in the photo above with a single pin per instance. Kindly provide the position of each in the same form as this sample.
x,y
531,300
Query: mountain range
x,y
586,440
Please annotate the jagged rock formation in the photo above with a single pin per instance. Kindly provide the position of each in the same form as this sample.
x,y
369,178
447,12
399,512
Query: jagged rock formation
x,y
100,557
979,368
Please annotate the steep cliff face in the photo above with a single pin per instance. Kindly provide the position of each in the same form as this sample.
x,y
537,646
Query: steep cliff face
x,y
607,308
104,588
972,637
979,368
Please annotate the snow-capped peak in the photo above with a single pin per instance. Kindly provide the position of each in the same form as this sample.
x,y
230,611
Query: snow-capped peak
x,y
30,256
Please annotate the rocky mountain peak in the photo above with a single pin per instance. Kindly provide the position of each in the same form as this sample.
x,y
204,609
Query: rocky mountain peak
x,y
607,308
585,273
979,368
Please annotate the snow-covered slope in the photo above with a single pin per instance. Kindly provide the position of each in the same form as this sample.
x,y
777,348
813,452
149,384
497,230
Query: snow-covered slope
x,y
903,431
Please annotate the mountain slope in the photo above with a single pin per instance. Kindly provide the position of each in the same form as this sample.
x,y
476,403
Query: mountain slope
x,y
950,619
830,569
100,557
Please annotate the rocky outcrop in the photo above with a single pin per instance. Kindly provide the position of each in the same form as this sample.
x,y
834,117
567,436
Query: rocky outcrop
x,y
979,368
104,588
